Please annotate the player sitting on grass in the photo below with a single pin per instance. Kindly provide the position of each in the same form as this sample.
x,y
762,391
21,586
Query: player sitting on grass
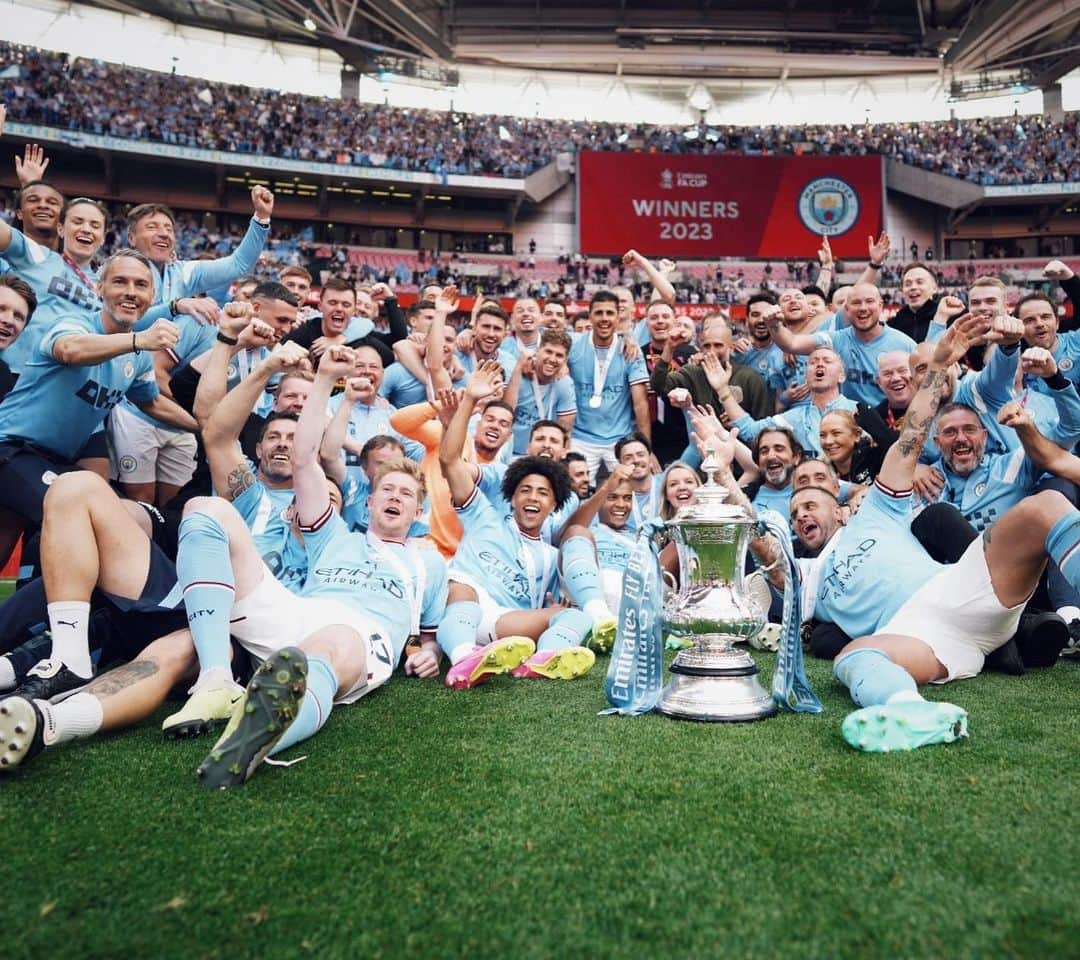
x,y
606,516
364,596
96,560
917,621
503,573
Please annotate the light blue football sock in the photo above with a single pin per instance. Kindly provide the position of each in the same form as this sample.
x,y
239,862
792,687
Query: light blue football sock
x,y
581,572
204,570
872,678
315,705
457,632
1063,545
568,628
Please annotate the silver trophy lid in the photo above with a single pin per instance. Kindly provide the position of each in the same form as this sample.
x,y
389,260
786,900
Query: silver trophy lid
x,y
710,500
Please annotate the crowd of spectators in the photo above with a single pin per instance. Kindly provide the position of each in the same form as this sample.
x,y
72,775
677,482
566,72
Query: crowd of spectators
x,y
90,96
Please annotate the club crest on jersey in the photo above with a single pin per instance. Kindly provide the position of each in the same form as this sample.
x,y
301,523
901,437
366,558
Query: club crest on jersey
x,y
980,489
129,369
828,206
127,464
48,477
1066,364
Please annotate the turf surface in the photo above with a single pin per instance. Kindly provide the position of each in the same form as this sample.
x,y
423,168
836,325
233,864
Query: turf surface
x,y
512,821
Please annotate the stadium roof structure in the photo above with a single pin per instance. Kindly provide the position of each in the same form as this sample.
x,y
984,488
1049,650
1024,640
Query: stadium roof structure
x,y
1034,42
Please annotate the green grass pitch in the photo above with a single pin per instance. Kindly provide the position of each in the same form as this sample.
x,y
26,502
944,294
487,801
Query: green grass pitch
x,y
512,821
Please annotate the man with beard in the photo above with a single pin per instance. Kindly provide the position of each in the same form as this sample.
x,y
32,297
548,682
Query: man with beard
x,y
578,468
17,303
776,453
635,453
263,498
485,340
360,413
788,377
82,368
339,641
745,386
763,355
271,313
983,486
546,394
607,515
919,290
668,424
859,345
553,316
1041,323
878,585
338,324
611,392
825,374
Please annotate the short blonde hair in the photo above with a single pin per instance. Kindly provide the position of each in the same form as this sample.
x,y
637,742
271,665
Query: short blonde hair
x,y
988,281
401,465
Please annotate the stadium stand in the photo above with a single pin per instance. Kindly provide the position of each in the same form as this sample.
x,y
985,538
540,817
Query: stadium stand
x,y
103,98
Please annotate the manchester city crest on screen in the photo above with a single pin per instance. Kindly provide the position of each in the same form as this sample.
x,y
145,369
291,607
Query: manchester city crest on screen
x,y
828,206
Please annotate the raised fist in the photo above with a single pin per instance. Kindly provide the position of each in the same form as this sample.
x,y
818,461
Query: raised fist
x,y
263,202
1038,362
161,336
1056,270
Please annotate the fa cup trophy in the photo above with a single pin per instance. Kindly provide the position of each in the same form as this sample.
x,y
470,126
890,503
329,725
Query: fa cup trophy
x,y
711,680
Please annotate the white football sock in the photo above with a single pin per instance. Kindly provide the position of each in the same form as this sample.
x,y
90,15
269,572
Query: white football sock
x,y
461,651
213,678
903,696
1068,614
77,716
597,610
69,622
7,673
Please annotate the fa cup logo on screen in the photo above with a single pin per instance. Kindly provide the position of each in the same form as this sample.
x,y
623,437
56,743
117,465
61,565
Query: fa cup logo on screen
x,y
828,206
666,178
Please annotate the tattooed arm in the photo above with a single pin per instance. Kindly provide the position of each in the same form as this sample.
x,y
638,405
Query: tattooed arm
x,y
898,470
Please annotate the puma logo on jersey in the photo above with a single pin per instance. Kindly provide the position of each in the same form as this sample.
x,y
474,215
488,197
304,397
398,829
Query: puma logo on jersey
x,y
66,623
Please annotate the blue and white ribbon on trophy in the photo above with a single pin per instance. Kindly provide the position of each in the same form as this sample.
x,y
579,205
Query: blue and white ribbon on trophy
x,y
790,688
635,677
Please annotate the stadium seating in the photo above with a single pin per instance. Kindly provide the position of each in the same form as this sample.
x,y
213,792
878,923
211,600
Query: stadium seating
x,y
103,98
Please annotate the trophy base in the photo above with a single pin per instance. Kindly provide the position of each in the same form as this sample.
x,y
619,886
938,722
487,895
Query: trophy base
x,y
721,694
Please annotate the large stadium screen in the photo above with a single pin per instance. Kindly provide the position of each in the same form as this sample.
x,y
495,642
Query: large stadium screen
x,y
704,207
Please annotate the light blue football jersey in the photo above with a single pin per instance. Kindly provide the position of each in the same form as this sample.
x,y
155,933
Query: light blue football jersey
x,y
870,568
401,586
58,406
515,570
266,513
